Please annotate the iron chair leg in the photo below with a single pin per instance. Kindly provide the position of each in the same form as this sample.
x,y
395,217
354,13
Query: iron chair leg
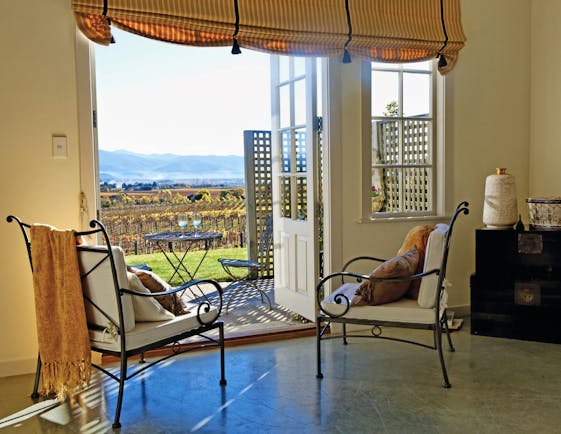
x,y
450,344
262,293
318,348
122,379
221,338
345,334
438,340
35,393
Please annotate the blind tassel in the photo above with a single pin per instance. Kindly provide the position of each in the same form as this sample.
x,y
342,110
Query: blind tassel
x,y
441,59
235,44
236,47
346,54
104,13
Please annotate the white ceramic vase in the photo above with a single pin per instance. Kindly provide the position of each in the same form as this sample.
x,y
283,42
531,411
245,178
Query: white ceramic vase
x,y
500,210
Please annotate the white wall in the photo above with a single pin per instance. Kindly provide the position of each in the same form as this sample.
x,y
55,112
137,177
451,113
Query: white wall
x,y
37,99
487,126
545,158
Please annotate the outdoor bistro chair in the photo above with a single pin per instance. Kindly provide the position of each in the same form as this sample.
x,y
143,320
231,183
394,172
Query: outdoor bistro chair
x,y
248,281
427,312
111,312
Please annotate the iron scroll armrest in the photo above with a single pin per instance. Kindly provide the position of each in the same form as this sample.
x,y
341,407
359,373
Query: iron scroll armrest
x,y
343,299
204,303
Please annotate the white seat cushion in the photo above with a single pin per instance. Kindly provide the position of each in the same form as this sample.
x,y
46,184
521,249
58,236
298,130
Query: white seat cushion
x,y
99,287
433,259
145,333
404,310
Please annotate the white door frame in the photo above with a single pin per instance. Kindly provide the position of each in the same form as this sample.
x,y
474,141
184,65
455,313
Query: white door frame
x,y
89,170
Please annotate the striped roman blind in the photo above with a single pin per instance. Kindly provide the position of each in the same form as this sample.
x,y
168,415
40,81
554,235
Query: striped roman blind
x,y
378,30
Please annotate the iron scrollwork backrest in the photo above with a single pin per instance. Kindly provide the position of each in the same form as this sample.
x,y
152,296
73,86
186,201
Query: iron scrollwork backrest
x,y
97,229
463,207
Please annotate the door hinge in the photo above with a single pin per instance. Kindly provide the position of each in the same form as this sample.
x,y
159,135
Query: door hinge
x,y
318,124
94,118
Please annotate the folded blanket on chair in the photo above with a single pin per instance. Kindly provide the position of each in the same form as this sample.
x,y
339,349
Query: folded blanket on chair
x,y
62,330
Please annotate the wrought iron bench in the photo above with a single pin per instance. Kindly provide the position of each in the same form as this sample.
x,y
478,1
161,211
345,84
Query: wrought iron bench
x,y
428,312
110,314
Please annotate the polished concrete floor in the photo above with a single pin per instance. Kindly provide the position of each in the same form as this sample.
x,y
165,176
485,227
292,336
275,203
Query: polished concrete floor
x,y
370,386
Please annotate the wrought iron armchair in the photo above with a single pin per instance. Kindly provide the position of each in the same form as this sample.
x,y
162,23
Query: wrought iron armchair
x,y
110,314
248,281
428,312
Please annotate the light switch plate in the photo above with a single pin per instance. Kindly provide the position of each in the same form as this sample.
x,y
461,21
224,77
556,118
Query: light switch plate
x,y
60,146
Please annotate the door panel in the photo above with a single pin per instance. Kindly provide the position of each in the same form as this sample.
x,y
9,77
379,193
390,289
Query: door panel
x,y
295,162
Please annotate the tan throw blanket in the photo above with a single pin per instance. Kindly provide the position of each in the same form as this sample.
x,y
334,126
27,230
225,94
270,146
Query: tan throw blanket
x,y
62,330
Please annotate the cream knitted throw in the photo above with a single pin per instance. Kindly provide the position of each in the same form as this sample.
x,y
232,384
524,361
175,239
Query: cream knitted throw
x,y
62,331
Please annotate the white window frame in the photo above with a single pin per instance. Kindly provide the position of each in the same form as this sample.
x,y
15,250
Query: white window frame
x,y
438,150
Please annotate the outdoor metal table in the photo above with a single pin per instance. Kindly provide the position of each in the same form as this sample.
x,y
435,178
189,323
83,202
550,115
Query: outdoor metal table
x,y
178,262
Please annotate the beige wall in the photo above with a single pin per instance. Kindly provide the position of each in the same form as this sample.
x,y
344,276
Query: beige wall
x,y
545,158
488,125
37,99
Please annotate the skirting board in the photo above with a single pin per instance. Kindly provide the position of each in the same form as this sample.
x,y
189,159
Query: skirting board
x,y
27,366
18,367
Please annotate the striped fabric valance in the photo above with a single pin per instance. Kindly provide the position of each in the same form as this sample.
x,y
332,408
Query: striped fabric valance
x,y
378,30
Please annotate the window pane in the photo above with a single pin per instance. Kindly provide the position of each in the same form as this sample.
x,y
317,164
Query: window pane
x,y
299,66
416,189
301,163
284,94
319,87
286,151
390,190
300,102
284,68
420,66
377,189
382,65
285,197
302,197
390,193
417,141
416,95
385,93
385,142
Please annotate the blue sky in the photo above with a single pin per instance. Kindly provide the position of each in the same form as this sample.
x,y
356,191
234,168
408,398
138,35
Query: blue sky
x,y
156,97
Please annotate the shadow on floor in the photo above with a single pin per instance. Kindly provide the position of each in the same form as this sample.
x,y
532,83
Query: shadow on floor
x,y
249,311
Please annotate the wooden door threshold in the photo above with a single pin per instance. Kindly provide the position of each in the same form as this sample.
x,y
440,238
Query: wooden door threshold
x,y
233,340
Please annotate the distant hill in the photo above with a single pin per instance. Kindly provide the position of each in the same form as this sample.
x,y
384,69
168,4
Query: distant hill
x,y
125,166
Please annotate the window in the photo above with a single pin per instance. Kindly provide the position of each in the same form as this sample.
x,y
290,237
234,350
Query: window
x,y
403,146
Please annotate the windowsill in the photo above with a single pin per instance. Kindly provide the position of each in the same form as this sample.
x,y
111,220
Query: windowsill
x,y
401,219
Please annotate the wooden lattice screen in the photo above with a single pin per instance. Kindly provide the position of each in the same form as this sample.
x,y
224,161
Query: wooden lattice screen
x,y
416,149
259,195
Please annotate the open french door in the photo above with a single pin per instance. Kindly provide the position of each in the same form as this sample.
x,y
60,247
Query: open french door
x,y
295,186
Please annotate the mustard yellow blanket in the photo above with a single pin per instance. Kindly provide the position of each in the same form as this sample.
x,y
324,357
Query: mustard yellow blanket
x,y
62,330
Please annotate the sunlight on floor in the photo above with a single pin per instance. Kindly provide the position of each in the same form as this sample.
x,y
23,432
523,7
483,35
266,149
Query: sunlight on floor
x,y
209,418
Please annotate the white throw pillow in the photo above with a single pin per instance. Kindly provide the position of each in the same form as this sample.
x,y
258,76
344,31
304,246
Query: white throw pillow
x,y
146,308
433,259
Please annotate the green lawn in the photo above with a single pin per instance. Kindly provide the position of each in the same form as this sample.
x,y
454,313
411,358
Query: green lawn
x,y
210,268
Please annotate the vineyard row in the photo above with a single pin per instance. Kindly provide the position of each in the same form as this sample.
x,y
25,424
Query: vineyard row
x,y
127,226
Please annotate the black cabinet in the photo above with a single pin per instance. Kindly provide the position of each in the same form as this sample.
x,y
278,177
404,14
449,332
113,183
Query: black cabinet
x,y
516,287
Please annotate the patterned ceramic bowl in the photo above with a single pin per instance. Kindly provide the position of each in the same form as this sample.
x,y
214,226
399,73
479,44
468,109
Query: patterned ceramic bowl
x,y
545,213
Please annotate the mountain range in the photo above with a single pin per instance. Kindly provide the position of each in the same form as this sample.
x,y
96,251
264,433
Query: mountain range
x,y
125,166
